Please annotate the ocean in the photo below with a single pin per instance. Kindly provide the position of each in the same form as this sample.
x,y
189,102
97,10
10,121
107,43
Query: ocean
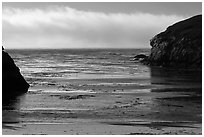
x,y
79,63
77,90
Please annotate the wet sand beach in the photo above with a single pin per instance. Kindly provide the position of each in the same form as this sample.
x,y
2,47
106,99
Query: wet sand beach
x,y
160,105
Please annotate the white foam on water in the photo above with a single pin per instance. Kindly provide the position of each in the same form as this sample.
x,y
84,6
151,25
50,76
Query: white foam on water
x,y
52,109
69,91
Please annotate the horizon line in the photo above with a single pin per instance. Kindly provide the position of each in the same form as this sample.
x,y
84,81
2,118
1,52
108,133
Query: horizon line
x,y
66,48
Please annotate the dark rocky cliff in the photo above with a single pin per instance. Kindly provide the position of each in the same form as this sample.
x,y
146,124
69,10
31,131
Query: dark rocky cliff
x,y
13,83
179,46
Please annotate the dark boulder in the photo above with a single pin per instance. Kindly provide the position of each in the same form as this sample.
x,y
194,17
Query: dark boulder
x,y
139,56
179,46
13,83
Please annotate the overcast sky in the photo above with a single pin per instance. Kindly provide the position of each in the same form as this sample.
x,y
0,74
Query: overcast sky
x,y
89,25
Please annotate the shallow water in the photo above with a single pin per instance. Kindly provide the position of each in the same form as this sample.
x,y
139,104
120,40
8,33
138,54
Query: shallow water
x,y
78,63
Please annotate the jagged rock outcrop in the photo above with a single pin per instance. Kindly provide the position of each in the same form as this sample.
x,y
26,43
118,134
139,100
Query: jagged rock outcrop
x,y
179,46
13,83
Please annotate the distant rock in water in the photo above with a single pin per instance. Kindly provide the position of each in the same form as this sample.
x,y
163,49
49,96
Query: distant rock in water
x,y
179,46
13,83
140,57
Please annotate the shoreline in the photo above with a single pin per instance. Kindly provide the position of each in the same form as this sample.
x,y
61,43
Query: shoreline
x,y
106,113
136,100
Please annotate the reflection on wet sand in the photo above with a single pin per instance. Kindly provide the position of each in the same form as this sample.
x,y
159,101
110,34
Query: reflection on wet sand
x,y
182,94
10,112
175,77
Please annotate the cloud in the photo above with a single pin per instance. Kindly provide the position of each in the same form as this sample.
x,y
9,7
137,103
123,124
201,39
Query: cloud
x,y
64,27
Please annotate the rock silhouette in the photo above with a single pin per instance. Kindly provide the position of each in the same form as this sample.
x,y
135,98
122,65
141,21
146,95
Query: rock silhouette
x,y
140,57
179,46
13,83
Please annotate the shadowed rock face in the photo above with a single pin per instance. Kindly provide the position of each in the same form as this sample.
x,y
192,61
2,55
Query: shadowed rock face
x,y
179,46
13,83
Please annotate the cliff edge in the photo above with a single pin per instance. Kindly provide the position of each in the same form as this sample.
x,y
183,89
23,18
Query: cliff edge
x,y
179,46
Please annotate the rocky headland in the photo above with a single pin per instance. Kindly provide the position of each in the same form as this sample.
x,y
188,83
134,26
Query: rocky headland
x,y
179,46
13,83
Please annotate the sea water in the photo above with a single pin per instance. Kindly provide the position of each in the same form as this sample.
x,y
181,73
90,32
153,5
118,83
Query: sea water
x,y
79,63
